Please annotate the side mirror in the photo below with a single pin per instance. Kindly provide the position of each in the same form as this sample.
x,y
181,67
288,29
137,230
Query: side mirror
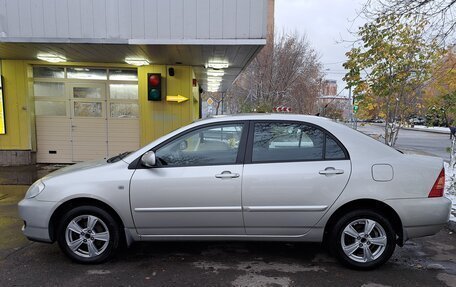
x,y
148,159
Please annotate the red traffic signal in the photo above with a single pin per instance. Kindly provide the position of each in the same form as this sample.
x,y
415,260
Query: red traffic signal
x,y
154,87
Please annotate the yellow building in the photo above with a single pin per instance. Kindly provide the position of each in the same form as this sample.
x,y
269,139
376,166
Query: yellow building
x,y
80,89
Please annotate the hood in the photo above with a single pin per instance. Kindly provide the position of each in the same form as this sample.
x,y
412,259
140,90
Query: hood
x,y
76,167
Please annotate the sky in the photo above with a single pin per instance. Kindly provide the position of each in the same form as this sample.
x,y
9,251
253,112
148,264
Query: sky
x,y
326,24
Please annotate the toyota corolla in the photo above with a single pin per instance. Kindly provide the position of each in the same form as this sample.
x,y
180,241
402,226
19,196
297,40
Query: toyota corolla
x,y
246,177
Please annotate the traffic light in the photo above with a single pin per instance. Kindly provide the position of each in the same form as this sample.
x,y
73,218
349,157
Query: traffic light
x,y
154,87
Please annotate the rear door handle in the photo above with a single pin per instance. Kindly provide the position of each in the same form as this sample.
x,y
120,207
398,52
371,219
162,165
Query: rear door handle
x,y
227,174
330,171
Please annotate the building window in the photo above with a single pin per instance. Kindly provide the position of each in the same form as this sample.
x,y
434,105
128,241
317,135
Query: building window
x,y
87,73
49,72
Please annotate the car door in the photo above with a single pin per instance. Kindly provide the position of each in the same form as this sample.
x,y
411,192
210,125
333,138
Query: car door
x,y
195,189
293,173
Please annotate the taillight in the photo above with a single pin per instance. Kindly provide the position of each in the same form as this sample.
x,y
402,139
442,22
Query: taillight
x,y
439,186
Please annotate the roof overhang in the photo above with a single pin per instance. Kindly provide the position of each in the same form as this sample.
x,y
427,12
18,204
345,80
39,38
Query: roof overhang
x,y
237,53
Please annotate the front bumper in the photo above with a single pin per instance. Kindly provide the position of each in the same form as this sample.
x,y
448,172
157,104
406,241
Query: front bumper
x,y
421,216
36,215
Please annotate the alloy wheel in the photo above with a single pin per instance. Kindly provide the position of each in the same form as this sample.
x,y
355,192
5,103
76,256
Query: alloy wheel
x,y
87,236
363,240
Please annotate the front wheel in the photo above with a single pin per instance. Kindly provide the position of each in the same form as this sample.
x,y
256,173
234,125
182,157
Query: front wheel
x,y
363,239
88,234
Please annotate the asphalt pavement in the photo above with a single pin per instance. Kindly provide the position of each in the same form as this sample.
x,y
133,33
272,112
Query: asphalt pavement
x,y
429,261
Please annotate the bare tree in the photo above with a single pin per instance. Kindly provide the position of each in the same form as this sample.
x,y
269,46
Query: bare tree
x,y
285,72
440,14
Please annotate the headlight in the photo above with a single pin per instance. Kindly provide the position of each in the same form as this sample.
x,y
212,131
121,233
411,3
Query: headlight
x,y
35,189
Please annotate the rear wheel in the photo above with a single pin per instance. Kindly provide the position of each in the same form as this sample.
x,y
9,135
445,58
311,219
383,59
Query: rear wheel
x,y
88,234
363,239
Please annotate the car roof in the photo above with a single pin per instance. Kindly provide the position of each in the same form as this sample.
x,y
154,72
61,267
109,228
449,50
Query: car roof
x,y
262,116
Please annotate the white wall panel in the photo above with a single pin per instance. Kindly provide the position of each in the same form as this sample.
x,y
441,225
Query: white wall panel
x,y
37,17
151,19
13,19
62,18
176,19
26,17
229,19
114,21
137,17
202,19
242,18
125,19
163,20
50,23
190,19
74,19
99,20
216,19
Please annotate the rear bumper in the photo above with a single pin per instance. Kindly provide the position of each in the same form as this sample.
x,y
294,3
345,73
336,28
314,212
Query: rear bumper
x,y
36,215
421,216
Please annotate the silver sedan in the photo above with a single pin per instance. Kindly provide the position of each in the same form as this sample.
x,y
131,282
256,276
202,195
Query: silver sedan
x,y
246,177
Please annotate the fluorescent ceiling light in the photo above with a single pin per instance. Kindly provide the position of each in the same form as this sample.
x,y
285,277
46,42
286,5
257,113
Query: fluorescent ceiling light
x,y
212,90
215,73
214,79
213,85
137,61
218,64
51,58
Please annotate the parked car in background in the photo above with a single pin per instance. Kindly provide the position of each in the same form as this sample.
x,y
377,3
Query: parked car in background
x,y
247,177
417,120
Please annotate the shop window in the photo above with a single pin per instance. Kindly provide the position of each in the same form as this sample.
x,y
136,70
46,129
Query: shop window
x,y
123,91
87,73
124,110
123,75
48,72
49,89
50,108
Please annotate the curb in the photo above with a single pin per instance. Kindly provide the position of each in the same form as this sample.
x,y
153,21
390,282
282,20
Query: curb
x,y
417,130
426,131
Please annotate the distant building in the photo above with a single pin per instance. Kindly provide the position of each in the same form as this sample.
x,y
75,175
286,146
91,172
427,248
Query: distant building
x,y
329,88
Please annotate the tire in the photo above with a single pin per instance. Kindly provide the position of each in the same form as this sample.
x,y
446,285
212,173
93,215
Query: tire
x,y
356,250
88,244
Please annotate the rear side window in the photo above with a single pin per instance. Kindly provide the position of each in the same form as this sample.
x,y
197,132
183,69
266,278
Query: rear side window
x,y
333,150
287,141
277,142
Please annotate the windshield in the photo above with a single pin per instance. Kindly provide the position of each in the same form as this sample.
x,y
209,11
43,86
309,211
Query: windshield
x,y
118,157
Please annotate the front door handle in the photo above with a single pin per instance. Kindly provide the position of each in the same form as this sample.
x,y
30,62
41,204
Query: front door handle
x,y
331,171
227,174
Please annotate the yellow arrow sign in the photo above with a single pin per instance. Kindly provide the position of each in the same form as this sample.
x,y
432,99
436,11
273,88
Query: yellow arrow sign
x,y
177,98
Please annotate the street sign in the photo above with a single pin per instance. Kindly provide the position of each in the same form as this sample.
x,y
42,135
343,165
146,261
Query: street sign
x,y
282,109
210,101
177,98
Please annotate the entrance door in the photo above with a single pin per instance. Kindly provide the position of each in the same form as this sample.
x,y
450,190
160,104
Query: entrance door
x,y
88,121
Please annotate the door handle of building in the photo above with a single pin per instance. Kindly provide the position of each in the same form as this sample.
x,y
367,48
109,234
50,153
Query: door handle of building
x,y
227,174
331,171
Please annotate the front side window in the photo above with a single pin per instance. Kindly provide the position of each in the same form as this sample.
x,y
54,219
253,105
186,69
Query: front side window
x,y
275,142
214,145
